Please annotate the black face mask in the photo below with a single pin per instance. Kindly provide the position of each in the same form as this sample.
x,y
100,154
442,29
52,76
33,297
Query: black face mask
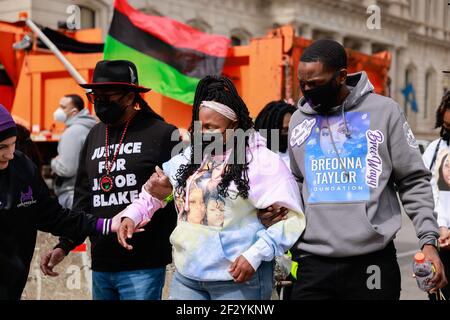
x,y
445,134
283,143
109,112
324,97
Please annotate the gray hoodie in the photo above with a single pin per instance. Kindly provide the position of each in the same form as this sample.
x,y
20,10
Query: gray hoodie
x,y
347,164
69,148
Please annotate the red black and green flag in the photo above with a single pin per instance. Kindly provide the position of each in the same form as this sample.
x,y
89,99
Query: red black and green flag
x,y
171,57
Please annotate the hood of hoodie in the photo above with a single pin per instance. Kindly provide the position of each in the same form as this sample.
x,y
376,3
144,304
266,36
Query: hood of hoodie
x,y
359,86
83,118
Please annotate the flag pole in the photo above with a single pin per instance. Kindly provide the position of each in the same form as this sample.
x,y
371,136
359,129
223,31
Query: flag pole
x,y
69,67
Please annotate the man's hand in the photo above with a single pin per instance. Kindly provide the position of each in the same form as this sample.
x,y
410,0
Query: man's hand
x,y
50,259
158,185
272,215
125,232
439,279
444,239
241,270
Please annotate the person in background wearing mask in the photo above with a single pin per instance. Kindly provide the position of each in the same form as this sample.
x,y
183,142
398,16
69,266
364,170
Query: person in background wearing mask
x,y
79,122
437,158
350,200
26,207
119,155
276,116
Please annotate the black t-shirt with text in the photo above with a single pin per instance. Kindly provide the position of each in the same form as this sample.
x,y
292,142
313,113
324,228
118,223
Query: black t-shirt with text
x,y
147,143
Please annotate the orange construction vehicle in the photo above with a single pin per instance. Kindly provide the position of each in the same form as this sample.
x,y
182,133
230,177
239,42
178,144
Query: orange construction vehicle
x,y
265,70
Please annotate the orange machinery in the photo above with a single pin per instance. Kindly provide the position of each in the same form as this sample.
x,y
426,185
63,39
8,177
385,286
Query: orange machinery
x,y
262,71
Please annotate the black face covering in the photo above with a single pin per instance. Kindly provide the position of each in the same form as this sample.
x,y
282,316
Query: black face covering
x,y
109,112
324,97
283,143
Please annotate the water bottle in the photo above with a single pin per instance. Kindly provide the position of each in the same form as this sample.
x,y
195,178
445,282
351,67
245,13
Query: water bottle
x,y
423,271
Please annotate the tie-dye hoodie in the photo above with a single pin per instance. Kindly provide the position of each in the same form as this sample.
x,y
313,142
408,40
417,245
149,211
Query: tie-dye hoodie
x,y
213,231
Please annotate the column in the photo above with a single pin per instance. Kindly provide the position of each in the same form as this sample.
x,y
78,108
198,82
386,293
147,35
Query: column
x,y
366,46
307,31
339,38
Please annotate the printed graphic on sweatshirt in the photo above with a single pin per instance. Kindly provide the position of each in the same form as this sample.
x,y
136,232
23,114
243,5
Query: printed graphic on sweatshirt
x,y
374,162
442,171
301,132
335,160
121,178
26,198
205,205
410,138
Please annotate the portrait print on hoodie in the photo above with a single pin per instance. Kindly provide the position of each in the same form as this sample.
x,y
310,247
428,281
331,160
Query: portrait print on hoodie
x,y
335,161
443,173
206,206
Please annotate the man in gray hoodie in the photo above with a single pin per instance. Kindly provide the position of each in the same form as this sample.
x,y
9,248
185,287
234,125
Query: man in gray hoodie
x,y
79,122
351,150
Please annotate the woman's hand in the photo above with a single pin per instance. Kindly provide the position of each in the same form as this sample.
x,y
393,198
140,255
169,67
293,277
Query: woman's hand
x,y
125,232
241,270
158,185
272,215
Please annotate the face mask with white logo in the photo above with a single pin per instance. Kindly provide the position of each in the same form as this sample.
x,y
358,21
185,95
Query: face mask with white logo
x,y
60,116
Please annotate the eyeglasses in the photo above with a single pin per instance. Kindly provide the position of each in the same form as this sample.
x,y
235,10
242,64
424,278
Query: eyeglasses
x,y
92,96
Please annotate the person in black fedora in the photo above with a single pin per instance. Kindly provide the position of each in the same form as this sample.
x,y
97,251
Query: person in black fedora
x,y
119,155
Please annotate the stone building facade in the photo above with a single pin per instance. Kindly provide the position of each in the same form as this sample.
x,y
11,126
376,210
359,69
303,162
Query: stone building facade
x,y
416,32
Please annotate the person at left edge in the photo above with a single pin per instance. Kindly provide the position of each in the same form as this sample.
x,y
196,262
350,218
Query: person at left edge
x,y
26,207
137,140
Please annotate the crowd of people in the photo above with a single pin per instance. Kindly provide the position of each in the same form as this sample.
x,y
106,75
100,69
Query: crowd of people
x,y
321,179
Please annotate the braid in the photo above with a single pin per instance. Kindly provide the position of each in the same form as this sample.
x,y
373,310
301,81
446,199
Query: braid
x,y
146,109
220,89
444,106
271,117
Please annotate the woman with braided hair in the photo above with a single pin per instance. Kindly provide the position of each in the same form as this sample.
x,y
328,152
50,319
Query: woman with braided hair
x,y
276,116
437,159
230,257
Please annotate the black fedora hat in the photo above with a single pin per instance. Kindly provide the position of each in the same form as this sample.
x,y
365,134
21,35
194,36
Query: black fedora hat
x,y
115,74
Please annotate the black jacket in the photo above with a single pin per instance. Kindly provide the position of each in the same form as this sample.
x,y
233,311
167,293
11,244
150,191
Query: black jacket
x,y
25,207
147,143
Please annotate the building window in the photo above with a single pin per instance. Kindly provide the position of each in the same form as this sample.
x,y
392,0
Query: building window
x,y
447,17
353,44
378,47
409,79
240,37
87,17
319,34
428,11
199,24
430,93
235,41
